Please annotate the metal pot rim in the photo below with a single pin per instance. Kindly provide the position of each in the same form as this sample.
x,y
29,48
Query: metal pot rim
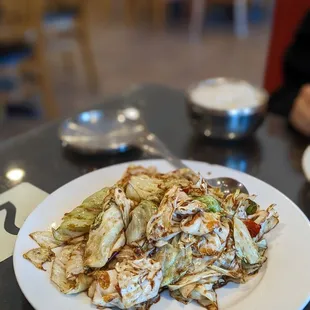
x,y
262,107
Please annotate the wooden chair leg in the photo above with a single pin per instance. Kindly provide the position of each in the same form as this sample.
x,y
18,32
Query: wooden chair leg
x,y
130,12
159,16
51,109
83,37
3,102
106,9
88,59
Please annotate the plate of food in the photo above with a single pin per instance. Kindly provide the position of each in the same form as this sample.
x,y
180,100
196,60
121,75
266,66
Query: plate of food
x,y
140,236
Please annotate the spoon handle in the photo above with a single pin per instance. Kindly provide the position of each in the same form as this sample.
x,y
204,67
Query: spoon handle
x,y
154,146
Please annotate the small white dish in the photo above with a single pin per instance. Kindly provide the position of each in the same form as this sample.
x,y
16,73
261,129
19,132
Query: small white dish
x,y
305,162
283,283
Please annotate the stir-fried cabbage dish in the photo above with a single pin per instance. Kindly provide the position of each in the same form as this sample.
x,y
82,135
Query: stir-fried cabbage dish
x,y
151,232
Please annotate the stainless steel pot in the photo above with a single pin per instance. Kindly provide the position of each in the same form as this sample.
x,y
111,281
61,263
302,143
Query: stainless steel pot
x,y
229,124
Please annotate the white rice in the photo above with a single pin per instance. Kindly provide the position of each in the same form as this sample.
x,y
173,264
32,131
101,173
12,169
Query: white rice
x,y
226,96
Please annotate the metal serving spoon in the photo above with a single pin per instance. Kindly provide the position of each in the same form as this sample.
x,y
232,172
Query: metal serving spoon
x,y
153,145
110,130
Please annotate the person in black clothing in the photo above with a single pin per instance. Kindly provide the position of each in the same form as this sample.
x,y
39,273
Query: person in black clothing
x,y
292,99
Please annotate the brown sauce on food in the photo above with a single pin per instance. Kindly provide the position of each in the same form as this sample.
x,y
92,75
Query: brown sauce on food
x,y
104,280
108,298
118,289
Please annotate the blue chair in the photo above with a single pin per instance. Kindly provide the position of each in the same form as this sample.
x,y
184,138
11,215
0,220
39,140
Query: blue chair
x,y
12,54
60,13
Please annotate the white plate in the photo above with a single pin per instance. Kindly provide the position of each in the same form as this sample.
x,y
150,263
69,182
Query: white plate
x,y
306,162
284,282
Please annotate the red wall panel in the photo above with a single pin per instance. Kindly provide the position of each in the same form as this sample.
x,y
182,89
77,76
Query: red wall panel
x,y
287,16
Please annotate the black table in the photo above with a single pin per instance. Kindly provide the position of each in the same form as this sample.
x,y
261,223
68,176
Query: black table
x,y
273,155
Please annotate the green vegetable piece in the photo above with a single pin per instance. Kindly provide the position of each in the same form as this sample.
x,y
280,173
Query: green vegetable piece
x,y
212,205
95,200
78,221
252,208
175,261
140,216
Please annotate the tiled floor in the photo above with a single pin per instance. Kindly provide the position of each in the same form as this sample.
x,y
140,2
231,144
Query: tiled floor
x,y
129,56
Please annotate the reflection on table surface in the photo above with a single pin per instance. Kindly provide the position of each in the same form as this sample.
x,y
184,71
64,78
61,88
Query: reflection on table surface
x,y
273,154
244,156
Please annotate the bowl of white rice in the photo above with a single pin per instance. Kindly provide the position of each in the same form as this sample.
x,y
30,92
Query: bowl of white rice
x,y
226,108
